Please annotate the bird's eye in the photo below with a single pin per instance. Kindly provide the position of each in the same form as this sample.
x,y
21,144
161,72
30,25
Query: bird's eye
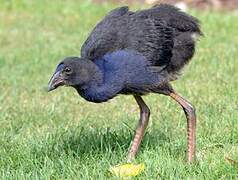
x,y
68,70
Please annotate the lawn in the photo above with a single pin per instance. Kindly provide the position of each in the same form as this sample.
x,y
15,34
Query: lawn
x,y
59,135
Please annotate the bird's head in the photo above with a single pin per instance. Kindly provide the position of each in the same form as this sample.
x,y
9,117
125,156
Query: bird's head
x,y
72,71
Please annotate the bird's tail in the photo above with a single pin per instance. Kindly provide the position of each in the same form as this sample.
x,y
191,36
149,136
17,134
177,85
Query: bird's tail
x,y
187,31
183,51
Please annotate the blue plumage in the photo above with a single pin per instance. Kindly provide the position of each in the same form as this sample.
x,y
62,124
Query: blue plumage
x,y
127,68
123,71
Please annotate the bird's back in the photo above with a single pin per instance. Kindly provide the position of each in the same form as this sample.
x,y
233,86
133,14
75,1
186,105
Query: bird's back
x,y
156,33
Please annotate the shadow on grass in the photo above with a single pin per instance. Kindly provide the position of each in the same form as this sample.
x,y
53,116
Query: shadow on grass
x,y
107,140
85,144
90,142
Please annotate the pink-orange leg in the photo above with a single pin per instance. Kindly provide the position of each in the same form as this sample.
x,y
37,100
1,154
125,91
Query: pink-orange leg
x,y
191,124
143,122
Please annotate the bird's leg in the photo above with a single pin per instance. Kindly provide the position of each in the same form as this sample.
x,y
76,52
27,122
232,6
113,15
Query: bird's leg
x,y
189,111
143,122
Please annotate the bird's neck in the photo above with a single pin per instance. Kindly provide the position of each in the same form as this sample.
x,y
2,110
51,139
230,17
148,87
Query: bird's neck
x,y
97,89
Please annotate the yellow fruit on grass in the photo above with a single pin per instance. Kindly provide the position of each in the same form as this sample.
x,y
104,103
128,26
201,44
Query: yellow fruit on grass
x,y
127,170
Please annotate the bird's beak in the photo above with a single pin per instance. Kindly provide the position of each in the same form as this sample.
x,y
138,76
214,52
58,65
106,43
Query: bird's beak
x,y
55,81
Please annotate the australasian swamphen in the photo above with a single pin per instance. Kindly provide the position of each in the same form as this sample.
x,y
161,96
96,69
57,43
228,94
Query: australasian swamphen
x,y
134,53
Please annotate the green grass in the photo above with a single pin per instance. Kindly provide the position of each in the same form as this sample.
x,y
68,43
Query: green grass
x,y
61,136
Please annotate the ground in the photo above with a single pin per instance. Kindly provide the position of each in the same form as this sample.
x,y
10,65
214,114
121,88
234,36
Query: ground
x,y
59,135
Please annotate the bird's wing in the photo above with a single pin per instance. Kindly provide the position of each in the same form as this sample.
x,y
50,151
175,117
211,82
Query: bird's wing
x,y
104,36
150,32
151,37
175,18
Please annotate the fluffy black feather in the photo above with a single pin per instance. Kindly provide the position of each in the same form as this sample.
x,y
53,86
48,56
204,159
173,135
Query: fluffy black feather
x,y
163,34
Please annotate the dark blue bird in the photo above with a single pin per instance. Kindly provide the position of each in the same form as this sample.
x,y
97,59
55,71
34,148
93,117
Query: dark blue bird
x,y
134,53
